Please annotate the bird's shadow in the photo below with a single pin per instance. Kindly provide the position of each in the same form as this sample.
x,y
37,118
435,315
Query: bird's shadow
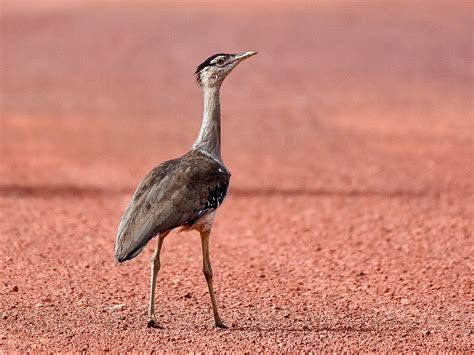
x,y
69,190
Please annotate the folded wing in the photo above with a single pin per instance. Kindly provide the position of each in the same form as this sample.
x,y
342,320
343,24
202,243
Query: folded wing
x,y
175,193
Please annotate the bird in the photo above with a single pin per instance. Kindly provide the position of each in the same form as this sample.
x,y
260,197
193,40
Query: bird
x,y
184,192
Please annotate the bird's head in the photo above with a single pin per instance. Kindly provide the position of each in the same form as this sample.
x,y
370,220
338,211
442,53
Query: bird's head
x,y
212,72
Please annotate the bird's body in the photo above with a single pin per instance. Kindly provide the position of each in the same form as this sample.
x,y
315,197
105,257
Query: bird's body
x,y
184,192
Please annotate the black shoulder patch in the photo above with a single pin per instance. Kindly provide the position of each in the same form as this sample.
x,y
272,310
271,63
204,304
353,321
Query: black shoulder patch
x,y
216,180
216,197
214,200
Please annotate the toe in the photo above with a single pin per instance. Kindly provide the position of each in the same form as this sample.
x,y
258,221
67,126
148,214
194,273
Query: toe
x,y
153,324
221,325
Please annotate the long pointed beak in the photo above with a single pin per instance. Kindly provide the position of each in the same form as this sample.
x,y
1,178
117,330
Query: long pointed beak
x,y
241,56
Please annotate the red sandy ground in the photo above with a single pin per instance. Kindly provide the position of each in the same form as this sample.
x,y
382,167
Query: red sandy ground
x,y
349,220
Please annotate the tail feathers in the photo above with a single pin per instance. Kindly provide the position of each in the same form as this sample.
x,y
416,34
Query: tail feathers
x,y
127,246
122,256
132,238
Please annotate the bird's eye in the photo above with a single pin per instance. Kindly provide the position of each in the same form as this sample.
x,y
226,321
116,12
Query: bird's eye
x,y
220,60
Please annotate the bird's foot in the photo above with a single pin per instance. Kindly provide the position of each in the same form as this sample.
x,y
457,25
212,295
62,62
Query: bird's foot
x,y
220,324
152,323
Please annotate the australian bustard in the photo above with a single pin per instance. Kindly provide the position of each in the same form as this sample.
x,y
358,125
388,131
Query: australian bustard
x,y
183,192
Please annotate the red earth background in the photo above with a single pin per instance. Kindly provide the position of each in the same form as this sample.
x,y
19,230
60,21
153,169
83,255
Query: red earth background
x,y
348,224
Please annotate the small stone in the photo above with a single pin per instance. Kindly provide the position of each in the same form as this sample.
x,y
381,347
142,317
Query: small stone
x,y
425,332
188,295
15,288
404,301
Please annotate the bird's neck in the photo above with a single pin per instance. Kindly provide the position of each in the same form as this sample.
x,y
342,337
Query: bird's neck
x,y
209,138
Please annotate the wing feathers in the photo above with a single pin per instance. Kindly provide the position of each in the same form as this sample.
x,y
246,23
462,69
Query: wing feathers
x,y
175,193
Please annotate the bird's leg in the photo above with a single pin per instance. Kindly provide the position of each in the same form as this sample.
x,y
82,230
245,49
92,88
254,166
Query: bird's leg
x,y
155,267
206,269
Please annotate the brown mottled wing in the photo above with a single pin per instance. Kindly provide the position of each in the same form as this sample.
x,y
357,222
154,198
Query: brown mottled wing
x,y
175,193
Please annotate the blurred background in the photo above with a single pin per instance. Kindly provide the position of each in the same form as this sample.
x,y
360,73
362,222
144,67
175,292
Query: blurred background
x,y
339,92
349,138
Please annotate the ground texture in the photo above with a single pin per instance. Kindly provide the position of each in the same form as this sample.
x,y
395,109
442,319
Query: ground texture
x,y
348,225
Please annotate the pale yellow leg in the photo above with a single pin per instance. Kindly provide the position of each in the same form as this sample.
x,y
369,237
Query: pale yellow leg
x,y
206,269
155,267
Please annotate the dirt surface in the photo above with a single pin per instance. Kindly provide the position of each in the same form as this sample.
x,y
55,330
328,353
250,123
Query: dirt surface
x,y
348,225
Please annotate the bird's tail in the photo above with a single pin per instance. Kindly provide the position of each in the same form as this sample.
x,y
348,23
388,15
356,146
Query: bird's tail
x,y
129,243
